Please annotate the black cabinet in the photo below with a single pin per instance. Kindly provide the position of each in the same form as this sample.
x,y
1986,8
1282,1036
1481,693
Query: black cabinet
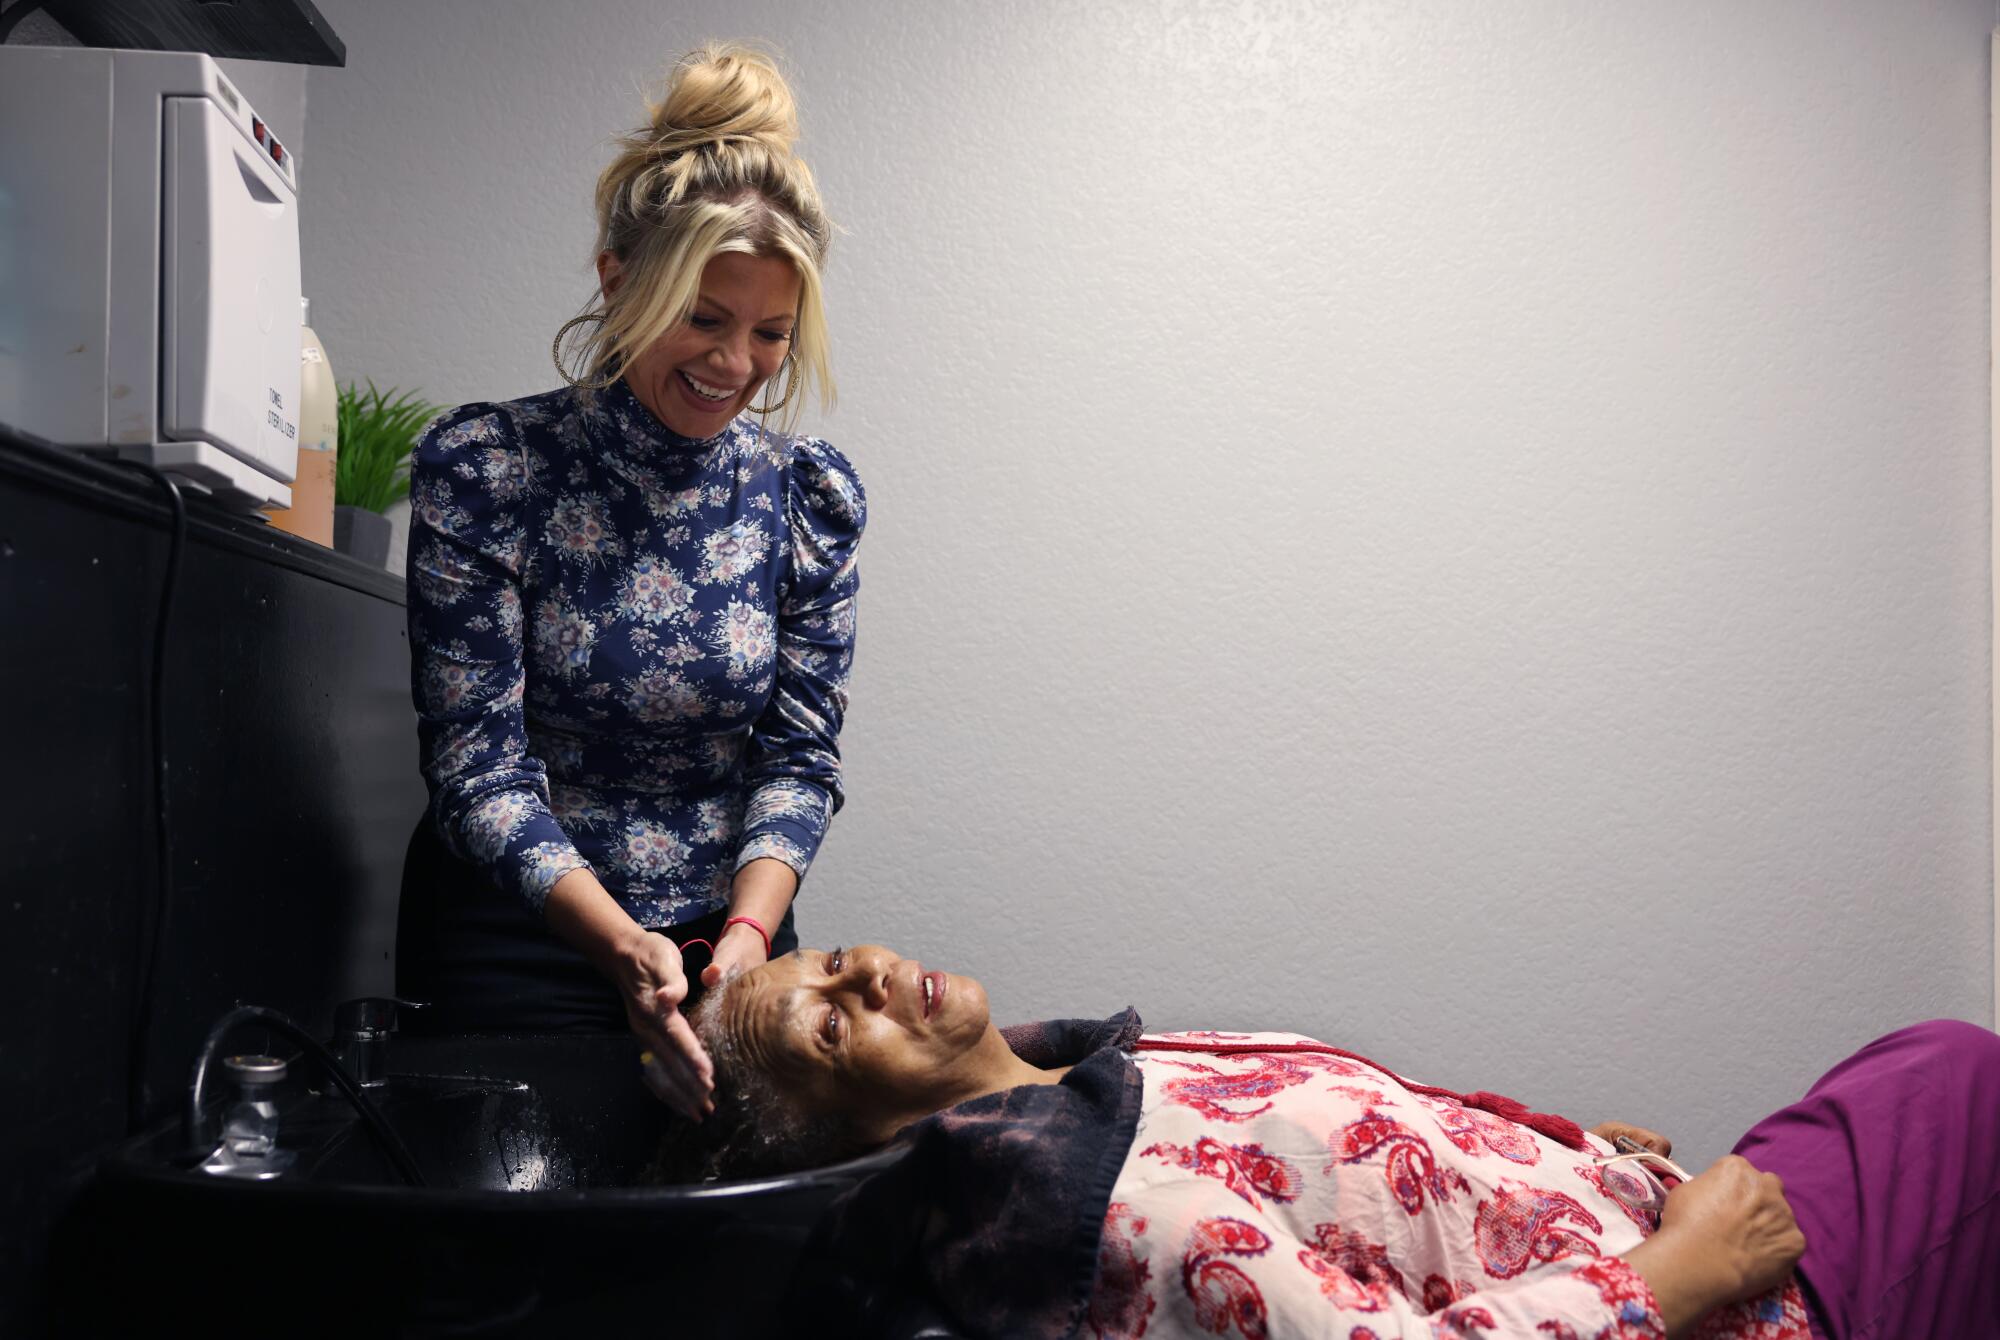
x,y
289,31
293,786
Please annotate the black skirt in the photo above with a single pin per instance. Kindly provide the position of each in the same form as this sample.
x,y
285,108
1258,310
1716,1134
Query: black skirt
x,y
483,963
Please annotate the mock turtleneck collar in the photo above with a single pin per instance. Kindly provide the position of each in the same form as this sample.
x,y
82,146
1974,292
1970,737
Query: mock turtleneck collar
x,y
636,429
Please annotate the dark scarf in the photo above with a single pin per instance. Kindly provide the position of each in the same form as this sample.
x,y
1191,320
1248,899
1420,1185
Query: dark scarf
x,y
996,1212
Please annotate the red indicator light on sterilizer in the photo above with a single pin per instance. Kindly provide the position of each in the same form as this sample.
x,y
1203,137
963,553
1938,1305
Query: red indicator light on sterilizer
x,y
257,129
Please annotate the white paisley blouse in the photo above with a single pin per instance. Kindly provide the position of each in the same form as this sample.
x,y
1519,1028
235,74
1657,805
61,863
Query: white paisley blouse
x,y
630,649
1274,1189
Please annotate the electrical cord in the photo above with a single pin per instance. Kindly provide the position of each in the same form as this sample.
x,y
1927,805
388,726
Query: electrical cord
x,y
153,936
153,930
398,1153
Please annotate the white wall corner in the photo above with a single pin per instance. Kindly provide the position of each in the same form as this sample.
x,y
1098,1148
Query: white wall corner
x,y
1993,425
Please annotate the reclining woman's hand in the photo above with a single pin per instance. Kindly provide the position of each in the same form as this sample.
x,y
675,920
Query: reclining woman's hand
x,y
1725,1235
1609,1131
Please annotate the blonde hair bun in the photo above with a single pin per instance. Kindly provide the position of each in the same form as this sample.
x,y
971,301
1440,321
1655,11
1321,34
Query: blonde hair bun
x,y
724,91
713,171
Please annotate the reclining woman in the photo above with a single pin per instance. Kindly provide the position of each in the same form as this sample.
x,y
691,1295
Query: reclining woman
x,y
1082,1178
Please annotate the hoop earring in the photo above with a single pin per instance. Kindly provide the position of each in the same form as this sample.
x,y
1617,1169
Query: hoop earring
x,y
791,385
555,349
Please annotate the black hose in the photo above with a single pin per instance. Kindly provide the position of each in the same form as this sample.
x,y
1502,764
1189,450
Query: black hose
x,y
335,1071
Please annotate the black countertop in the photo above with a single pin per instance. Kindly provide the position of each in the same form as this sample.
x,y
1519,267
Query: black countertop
x,y
104,483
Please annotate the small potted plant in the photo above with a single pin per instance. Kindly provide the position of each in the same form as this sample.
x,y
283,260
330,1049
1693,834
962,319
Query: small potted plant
x,y
371,473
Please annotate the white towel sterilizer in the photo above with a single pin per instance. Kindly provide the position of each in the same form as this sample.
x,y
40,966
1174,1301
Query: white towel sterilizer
x,y
149,267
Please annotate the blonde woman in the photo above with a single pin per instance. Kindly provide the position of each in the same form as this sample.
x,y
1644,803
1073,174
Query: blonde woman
x,y
632,606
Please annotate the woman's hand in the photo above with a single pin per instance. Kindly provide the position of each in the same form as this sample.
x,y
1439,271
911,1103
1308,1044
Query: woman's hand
x,y
739,946
1742,1216
647,972
1610,1131
1725,1235
761,891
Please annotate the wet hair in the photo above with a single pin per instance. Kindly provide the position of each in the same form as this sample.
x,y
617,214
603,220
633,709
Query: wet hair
x,y
758,1126
711,171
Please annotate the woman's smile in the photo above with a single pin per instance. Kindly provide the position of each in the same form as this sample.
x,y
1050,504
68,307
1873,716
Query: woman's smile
x,y
928,989
702,373
706,397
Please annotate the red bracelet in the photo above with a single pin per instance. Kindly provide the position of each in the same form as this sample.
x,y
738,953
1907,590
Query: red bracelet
x,y
757,925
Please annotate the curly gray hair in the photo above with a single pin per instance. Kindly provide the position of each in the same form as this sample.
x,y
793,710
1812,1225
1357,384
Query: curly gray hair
x,y
759,1126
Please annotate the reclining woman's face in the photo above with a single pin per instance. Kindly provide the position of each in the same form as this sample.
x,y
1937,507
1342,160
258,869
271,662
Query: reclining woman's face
x,y
864,1036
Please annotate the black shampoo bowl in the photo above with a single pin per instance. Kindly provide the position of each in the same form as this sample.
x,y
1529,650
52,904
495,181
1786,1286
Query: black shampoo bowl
x,y
535,1220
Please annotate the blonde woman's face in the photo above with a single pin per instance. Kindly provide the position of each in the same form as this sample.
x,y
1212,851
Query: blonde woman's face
x,y
698,377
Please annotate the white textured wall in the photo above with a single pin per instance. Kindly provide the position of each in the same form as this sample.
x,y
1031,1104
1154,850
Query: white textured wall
x,y
1457,528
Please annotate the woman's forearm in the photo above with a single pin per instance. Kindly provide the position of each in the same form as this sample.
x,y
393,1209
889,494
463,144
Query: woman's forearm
x,y
763,890
585,916
1685,1276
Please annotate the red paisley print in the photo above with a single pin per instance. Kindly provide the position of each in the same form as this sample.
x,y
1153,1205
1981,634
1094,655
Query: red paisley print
x,y
1354,1272
1521,1225
1626,1295
1441,1293
1616,1283
1244,1169
1223,1296
1207,1091
1330,1065
1599,1179
1424,1214
1462,1323
1778,1315
1470,1129
1121,1304
1407,1159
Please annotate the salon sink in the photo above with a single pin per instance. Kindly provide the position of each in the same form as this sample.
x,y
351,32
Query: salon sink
x,y
465,1133
536,1219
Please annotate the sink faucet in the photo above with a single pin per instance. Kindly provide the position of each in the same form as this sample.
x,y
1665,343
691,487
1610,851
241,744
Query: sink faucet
x,y
361,1029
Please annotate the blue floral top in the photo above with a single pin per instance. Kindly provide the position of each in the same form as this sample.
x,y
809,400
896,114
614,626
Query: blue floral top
x,y
629,649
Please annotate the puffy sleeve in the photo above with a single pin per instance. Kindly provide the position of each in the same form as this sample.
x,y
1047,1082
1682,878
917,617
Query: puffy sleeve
x,y
489,799
792,765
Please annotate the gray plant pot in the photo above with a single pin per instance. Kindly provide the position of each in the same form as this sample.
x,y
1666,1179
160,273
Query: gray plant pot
x,y
362,535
